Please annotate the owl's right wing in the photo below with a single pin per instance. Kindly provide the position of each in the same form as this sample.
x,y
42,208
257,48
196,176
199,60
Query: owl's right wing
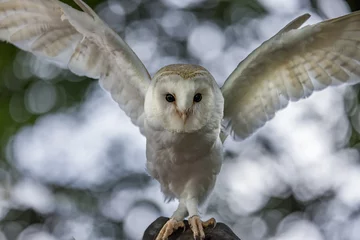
x,y
81,42
291,66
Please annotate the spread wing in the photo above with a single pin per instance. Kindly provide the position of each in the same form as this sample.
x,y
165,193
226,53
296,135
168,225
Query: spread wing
x,y
81,42
290,66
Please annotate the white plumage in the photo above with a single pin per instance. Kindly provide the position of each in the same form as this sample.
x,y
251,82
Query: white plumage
x,y
181,109
290,66
81,42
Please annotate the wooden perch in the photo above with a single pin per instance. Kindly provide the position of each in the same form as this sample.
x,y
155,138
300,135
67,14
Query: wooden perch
x,y
220,232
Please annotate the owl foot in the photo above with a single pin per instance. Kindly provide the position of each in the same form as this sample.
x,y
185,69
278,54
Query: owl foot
x,y
170,226
197,226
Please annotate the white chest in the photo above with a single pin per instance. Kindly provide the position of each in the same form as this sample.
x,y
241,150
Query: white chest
x,y
175,159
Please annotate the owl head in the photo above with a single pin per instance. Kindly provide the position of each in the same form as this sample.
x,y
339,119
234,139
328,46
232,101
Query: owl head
x,y
183,98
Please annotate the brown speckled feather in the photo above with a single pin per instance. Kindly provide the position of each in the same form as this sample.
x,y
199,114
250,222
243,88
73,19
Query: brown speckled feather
x,y
186,71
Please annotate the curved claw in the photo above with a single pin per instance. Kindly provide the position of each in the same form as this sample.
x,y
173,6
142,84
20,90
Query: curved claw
x,y
197,226
169,227
209,223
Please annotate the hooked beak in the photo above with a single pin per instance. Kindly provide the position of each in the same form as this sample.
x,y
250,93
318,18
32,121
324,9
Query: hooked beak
x,y
183,114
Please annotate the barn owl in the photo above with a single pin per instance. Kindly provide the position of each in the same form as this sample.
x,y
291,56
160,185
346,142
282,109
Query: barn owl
x,y
183,113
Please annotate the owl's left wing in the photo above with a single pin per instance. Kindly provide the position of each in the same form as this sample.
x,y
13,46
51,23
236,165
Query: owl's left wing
x,y
290,66
81,42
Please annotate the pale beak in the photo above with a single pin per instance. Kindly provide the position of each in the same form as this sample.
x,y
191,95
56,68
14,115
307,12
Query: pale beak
x,y
183,115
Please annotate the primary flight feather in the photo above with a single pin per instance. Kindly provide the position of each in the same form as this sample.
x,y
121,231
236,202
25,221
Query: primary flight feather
x,y
81,42
180,111
290,66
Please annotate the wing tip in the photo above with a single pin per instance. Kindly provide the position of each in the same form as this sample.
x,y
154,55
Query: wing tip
x,y
296,23
86,8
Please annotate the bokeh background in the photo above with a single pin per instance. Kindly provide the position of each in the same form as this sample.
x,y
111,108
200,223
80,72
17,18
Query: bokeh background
x,y
72,166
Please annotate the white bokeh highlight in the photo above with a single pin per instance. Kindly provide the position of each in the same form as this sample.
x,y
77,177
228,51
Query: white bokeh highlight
x,y
71,147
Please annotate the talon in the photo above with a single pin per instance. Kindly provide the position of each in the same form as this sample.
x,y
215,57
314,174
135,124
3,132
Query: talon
x,y
197,226
210,223
169,227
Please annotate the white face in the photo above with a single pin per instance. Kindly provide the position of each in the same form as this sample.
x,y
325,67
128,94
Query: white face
x,y
183,105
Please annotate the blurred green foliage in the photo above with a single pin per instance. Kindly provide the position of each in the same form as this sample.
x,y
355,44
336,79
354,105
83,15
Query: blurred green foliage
x,y
74,88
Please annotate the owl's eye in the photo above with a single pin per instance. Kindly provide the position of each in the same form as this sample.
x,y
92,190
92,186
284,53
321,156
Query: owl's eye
x,y
169,97
197,97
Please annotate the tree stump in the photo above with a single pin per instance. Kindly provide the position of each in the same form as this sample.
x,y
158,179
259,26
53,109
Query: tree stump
x,y
220,232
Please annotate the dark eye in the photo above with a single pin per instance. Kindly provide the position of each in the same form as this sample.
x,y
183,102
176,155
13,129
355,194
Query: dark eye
x,y
169,97
197,97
